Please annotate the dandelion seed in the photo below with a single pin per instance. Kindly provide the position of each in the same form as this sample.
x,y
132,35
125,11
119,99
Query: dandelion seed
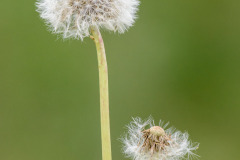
x,y
84,18
157,142
73,18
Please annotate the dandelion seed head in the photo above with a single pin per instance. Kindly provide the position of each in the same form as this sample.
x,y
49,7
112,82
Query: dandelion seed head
x,y
73,18
157,142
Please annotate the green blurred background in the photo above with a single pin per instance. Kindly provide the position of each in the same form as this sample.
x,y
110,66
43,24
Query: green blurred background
x,y
179,63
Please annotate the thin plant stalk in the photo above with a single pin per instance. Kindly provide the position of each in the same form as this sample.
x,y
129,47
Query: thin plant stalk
x,y
104,94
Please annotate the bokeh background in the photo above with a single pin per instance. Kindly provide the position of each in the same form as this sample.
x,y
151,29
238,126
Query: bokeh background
x,y
179,63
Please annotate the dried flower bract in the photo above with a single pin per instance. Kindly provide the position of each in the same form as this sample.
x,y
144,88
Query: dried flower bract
x,y
157,142
73,18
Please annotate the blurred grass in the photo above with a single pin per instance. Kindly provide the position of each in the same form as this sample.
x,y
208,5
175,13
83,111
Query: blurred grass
x,y
179,63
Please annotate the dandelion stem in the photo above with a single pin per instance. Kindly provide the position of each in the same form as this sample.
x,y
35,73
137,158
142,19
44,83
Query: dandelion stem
x,y
104,96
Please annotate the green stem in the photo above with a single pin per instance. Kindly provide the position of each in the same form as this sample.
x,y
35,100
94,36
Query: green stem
x,y
104,96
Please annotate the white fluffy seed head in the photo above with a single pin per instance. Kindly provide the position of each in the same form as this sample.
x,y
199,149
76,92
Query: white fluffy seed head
x,y
73,18
172,145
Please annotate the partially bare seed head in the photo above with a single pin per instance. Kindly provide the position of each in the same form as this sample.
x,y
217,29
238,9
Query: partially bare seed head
x,y
155,139
145,141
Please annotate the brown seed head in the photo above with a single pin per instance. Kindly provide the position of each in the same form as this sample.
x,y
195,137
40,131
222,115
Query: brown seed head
x,y
155,139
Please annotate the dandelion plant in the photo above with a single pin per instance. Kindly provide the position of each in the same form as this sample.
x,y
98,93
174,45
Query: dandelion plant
x,y
78,19
157,143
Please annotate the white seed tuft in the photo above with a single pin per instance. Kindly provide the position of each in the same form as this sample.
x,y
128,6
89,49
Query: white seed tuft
x,y
73,18
157,143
